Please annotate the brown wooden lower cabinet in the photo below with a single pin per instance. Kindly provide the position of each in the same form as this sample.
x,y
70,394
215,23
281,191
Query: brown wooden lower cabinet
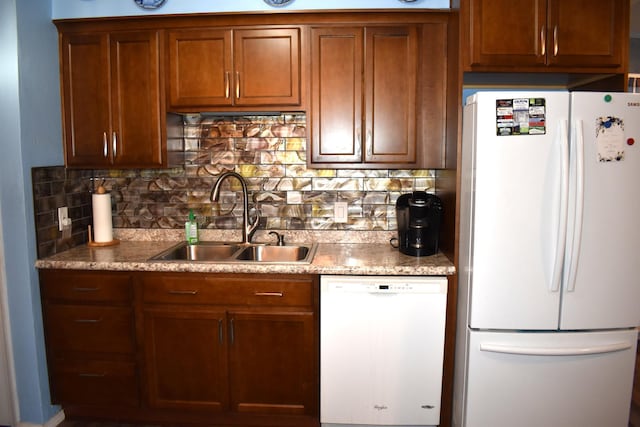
x,y
185,359
216,349
270,355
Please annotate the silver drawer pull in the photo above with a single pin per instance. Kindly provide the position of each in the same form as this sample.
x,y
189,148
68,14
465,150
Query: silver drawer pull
x,y
90,375
88,320
86,289
192,292
269,294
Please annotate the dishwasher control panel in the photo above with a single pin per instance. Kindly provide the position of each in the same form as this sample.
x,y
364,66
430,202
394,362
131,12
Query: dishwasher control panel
x,y
384,284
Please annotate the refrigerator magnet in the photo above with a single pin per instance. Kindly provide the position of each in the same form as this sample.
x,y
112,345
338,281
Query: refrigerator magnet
x,y
520,116
610,139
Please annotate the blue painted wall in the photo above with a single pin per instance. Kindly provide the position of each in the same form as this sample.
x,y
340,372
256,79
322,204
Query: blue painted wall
x,y
30,124
31,136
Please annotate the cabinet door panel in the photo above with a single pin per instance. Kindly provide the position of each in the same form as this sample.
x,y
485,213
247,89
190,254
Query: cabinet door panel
x,y
508,32
200,68
390,94
336,84
136,106
267,66
85,99
271,363
584,32
186,358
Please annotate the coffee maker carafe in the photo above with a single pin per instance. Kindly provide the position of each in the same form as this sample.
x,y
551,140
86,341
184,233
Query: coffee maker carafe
x,y
418,215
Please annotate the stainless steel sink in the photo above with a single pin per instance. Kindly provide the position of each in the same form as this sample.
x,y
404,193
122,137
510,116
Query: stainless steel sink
x,y
273,253
237,253
199,252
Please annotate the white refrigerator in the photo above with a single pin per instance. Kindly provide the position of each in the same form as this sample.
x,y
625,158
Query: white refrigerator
x,y
549,274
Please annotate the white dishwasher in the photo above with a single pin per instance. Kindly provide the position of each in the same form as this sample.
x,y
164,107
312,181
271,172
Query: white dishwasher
x,y
381,350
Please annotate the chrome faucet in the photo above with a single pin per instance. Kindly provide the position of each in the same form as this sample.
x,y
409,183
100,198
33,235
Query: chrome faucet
x,y
248,228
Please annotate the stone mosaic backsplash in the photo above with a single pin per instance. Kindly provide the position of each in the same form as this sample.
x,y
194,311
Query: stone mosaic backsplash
x,y
54,187
267,150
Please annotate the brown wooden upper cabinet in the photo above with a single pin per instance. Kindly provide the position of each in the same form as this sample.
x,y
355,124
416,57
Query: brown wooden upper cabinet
x,y
545,35
378,96
234,68
111,104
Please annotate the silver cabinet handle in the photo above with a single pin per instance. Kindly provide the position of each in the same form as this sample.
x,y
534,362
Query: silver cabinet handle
x,y
543,41
555,40
226,85
237,84
187,292
91,375
220,332
88,320
105,148
232,336
78,289
269,294
114,144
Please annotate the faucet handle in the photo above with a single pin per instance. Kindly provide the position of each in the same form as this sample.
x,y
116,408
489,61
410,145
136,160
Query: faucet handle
x,y
279,236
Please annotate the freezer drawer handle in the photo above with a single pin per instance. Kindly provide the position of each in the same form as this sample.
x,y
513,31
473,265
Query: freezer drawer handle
x,y
550,351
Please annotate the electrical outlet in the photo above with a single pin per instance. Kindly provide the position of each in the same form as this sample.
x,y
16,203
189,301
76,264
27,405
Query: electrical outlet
x,y
63,218
340,212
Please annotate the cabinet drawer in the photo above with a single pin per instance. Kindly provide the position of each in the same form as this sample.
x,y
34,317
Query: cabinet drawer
x,y
85,286
94,382
228,290
75,328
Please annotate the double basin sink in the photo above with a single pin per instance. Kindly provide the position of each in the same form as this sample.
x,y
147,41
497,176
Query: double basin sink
x,y
238,253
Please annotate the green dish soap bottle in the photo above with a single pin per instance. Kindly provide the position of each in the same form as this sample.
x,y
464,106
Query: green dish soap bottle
x,y
191,229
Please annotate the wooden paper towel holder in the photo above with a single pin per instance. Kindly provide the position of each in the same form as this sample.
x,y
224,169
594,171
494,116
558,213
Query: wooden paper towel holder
x,y
93,244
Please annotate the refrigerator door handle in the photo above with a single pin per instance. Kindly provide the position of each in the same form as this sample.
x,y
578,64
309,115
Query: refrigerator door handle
x,y
553,351
574,250
556,278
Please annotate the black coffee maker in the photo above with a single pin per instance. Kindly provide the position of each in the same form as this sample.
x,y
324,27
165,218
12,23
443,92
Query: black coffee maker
x,y
418,215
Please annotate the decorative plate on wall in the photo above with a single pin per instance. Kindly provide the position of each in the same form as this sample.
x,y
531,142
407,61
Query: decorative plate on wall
x,y
149,4
278,3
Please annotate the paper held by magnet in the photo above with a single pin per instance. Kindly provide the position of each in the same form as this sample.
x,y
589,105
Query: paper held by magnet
x,y
610,139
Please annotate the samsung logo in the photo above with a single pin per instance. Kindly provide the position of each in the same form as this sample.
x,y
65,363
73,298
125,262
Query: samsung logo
x,y
633,104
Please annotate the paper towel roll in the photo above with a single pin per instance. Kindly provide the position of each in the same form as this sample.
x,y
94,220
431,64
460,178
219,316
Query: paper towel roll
x,y
102,223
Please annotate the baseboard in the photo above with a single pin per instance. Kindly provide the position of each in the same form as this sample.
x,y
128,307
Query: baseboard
x,y
52,422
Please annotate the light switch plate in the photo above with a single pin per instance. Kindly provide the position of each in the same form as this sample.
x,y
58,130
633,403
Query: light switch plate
x,y
63,217
340,212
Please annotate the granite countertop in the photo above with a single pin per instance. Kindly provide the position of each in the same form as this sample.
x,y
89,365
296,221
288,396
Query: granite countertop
x,y
372,257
